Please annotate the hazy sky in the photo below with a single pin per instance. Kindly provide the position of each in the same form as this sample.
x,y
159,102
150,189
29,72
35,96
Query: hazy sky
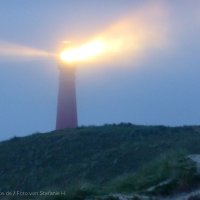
x,y
158,85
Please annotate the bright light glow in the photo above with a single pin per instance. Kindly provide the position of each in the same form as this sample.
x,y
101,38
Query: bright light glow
x,y
129,37
92,50
84,52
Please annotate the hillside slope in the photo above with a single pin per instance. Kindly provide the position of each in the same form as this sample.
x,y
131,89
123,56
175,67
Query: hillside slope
x,y
94,154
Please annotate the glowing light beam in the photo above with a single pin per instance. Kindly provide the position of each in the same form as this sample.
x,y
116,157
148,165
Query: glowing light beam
x,y
85,51
14,50
128,37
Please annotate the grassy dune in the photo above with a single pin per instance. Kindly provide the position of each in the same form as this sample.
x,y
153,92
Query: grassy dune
x,y
110,157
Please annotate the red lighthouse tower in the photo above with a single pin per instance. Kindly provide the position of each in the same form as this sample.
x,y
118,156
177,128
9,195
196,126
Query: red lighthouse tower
x,y
66,107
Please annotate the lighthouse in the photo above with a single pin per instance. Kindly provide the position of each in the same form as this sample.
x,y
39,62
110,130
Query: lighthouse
x,y
66,103
69,58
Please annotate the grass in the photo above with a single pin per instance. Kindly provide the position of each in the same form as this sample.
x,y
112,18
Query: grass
x,y
98,155
173,167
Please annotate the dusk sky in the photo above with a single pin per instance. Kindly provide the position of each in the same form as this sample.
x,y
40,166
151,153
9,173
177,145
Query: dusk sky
x,y
155,82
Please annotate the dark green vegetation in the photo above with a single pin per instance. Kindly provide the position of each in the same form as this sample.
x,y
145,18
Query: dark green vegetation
x,y
166,174
93,160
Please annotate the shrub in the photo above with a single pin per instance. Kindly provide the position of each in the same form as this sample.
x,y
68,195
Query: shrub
x,y
173,166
